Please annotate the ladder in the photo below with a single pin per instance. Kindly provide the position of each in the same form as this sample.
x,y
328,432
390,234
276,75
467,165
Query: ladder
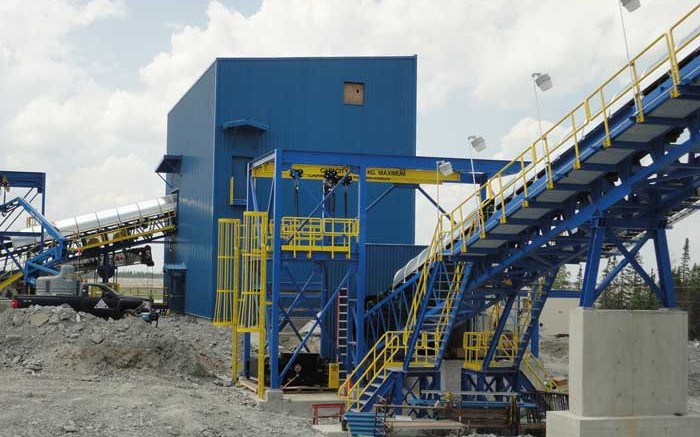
x,y
341,342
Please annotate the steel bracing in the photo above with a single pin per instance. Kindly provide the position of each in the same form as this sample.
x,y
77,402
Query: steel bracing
x,y
39,249
316,262
614,173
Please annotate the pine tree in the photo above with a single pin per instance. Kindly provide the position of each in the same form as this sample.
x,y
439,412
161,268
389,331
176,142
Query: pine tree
x,y
579,278
563,279
685,262
609,298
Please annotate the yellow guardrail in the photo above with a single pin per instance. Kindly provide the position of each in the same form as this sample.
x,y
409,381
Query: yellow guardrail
x,y
318,234
375,363
469,217
476,345
227,271
250,303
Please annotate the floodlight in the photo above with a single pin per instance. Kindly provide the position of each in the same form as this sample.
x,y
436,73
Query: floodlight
x,y
631,5
543,81
477,142
445,168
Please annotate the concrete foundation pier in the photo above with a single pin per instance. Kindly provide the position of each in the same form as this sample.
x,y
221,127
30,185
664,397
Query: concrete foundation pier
x,y
628,376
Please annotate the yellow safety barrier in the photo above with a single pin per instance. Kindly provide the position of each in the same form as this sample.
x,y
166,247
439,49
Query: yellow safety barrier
x,y
333,375
251,302
376,363
227,271
469,217
317,234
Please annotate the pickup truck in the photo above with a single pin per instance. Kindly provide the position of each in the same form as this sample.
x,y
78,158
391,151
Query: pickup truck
x,y
97,299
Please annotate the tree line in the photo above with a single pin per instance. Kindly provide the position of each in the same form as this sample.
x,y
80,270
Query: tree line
x,y
628,291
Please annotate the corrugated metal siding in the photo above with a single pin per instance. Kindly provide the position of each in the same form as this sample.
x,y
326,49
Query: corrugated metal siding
x,y
301,100
383,260
191,133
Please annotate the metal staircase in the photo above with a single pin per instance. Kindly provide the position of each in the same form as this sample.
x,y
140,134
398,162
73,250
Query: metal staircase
x,y
626,167
419,346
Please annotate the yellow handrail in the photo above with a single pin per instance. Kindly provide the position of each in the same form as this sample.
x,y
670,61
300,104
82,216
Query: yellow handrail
x,y
250,303
464,223
594,108
318,234
227,271
374,364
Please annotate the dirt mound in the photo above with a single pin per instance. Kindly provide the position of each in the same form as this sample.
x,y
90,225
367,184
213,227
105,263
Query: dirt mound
x,y
40,338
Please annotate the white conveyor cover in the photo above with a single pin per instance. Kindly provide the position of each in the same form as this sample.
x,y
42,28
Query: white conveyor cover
x,y
103,219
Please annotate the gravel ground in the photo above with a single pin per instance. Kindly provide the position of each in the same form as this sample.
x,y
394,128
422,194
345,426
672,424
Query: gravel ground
x,y
71,374
555,355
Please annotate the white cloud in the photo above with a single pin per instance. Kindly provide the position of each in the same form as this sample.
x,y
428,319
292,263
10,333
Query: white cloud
x,y
99,144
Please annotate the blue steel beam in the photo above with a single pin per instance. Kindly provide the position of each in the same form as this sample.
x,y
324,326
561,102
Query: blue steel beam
x,y
273,334
663,263
28,179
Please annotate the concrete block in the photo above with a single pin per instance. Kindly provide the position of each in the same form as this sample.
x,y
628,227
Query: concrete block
x,y
627,363
566,424
451,376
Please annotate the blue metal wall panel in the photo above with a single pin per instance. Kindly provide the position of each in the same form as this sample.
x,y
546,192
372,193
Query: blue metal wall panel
x,y
191,133
301,102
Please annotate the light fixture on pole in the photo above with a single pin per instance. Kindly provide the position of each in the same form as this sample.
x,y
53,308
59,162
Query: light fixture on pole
x,y
441,168
630,5
477,143
445,168
544,82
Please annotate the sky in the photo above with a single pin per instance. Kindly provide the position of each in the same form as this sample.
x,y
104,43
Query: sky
x,y
86,84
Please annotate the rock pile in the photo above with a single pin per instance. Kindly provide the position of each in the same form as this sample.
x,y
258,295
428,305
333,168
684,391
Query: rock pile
x,y
41,338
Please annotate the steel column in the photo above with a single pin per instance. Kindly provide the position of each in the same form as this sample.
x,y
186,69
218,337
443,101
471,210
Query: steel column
x,y
590,276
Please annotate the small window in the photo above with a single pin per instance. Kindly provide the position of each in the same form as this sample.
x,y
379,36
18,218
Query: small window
x,y
354,93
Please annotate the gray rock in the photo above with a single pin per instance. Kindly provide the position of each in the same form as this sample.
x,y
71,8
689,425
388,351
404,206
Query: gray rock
x,y
33,366
70,427
38,319
96,338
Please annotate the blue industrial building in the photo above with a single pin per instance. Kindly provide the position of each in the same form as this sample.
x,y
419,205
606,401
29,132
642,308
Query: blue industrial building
x,y
241,108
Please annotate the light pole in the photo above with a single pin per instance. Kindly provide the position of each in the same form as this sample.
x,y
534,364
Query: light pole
x,y
631,6
441,168
544,83
477,143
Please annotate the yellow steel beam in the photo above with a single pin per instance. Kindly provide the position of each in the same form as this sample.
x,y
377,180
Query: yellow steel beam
x,y
11,279
386,175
